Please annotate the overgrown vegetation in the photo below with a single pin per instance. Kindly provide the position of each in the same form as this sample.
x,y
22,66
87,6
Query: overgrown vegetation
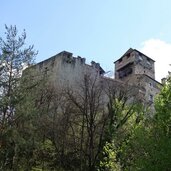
x,y
95,127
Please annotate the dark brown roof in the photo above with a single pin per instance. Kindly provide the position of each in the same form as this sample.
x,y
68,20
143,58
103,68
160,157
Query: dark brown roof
x,y
127,52
131,50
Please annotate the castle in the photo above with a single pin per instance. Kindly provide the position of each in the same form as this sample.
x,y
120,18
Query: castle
x,y
138,69
133,68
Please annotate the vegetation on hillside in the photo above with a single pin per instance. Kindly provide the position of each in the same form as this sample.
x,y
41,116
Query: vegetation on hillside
x,y
44,128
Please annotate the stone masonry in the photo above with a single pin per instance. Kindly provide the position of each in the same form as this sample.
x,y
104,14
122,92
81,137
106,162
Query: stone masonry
x,y
133,68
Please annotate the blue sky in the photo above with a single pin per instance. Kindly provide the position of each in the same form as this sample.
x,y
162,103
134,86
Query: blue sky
x,y
99,30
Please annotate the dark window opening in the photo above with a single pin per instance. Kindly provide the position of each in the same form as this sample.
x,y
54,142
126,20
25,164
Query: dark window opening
x,y
120,60
151,98
128,55
125,72
148,60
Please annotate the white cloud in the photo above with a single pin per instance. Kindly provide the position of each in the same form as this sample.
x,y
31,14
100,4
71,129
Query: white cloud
x,y
160,51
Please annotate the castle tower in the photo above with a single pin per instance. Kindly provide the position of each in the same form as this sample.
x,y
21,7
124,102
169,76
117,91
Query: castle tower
x,y
138,69
132,63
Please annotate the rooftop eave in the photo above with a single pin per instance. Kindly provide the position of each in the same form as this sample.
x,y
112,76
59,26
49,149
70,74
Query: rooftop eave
x,y
131,50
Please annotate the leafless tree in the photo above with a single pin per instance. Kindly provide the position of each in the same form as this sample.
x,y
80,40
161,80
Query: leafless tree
x,y
88,100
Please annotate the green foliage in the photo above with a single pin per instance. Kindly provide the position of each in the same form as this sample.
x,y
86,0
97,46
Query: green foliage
x,y
45,155
149,145
163,107
16,143
43,128
109,161
124,118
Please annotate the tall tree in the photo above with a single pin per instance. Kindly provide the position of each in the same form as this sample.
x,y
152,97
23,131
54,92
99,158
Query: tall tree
x,y
124,112
14,57
88,119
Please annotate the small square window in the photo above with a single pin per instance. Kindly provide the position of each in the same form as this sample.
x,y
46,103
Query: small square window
x,y
150,84
151,97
